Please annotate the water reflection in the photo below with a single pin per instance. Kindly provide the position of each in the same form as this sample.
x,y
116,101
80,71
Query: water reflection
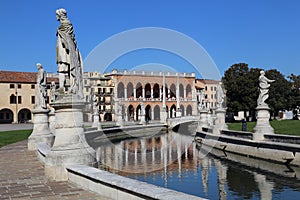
x,y
174,161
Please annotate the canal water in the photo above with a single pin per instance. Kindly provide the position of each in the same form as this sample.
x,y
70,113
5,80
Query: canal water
x,y
174,161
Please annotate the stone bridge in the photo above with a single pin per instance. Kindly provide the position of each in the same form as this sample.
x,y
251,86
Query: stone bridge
x,y
174,123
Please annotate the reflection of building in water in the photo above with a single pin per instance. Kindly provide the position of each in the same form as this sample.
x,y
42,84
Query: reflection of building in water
x,y
168,152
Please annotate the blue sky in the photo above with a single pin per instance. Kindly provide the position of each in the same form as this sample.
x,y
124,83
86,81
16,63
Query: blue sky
x,y
264,34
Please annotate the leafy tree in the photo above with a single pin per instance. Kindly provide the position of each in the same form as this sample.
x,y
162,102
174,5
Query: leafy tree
x,y
279,92
241,84
295,91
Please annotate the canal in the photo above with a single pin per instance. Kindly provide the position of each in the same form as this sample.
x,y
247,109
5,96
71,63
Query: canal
x,y
174,161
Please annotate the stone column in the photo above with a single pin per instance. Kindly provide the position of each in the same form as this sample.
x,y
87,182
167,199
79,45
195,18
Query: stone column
x,y
143,93
163,112
152,93
178,110
70,146
184,94
125,93
134,94
41,132
262,125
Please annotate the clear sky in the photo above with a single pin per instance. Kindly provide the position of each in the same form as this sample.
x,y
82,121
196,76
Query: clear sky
x,y
262,33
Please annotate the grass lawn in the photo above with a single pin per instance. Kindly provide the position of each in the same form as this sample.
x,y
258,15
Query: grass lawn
x,y
9,137
288,127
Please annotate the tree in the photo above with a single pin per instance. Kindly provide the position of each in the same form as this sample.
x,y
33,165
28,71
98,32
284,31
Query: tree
x,y
295,90
241,87
279,92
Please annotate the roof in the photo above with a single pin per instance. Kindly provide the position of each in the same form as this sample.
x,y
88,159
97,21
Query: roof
x,y
21,77
207,81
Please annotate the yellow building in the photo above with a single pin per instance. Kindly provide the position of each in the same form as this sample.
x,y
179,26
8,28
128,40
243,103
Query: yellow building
x,y
18,96
210,91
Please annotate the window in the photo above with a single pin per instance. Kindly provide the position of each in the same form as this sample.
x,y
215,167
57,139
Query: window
x,y
215,88
205,88
19,86
211,88
32,86
11,86
85,82
1,115
211,96
87,89
32,99
99,90
19,99
12,99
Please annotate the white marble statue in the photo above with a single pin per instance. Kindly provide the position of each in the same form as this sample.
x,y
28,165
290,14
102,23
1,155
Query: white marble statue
x,y
95,105
220,96
68,57
201,104
142,108
41,94
263,89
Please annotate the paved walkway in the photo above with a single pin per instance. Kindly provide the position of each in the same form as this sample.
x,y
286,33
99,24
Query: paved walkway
x,y
22,177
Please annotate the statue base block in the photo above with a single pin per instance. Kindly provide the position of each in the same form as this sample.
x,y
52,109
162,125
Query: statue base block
x,y
41,132
163,117
95,121
70,146
203,120
262,125
220,121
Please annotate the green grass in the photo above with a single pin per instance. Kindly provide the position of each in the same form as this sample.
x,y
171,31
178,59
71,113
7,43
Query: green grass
x,y
9,137
288,127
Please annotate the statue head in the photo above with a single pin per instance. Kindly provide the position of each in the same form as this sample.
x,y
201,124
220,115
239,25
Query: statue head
x,y
61,13
262,72
39,66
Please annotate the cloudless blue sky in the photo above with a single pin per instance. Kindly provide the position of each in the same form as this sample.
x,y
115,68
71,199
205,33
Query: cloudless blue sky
x,y
262,33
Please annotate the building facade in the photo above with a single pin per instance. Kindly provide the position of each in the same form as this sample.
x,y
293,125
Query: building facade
x,y
102,87
18,91
135,87
210,91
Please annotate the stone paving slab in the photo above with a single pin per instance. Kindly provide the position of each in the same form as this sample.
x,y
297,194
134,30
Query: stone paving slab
x,y
22,177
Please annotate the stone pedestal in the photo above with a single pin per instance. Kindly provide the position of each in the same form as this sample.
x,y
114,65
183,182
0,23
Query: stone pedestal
x,y
220,121
142,120
95,120
203,120
70,146
178,113
52,121
262,125
163,116
120,121
41,132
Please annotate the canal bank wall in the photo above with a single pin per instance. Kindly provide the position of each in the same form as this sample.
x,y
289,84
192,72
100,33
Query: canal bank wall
x,y
276,148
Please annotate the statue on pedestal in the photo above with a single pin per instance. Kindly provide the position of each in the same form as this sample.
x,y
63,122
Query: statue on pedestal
x,y
220,96
95,105
263,89
41,94
68,57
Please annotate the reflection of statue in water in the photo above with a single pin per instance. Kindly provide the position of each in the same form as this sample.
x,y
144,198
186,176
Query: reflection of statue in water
x,y
41,94
68,57
263,88
220,96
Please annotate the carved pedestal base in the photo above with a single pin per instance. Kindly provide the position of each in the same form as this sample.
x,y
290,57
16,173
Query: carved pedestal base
x,y
203,120
163,117
41,132
70,146
95,120
220,121
262,125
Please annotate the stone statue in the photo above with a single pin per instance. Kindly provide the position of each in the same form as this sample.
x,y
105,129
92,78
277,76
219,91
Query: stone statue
x,y
41,94
263,89
68,57
53,92
220,96
95,105
201,101
120,109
